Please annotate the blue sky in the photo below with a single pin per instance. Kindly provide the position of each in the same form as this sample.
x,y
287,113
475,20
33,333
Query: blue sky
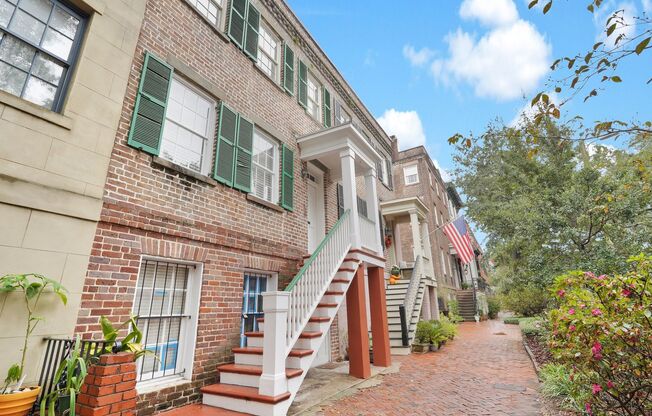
x,y
457,65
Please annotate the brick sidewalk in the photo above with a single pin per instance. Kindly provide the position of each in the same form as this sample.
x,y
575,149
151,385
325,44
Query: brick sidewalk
x,y
479,373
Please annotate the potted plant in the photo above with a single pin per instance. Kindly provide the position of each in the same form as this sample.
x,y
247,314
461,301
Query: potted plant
x,y
437,335
68,381
421,342
394,275
15,399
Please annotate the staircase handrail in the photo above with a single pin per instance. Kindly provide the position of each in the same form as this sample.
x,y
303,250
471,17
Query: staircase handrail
x,y
313,279
413,288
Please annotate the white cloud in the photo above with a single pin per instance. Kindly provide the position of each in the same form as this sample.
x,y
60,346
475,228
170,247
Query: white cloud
x,y
417,58
528,112
405,125
505,63
647,5
625,20
443,172
490,12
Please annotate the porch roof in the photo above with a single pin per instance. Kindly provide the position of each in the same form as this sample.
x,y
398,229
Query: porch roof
x,y
327,145
399,209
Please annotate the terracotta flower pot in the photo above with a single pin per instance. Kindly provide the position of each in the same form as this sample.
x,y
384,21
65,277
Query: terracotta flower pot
x,y
18,404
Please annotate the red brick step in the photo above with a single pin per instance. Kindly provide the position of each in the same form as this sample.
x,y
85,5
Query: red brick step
x,y
245,393
254,370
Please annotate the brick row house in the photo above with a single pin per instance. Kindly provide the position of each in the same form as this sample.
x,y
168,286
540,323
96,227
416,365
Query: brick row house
x,y
203,165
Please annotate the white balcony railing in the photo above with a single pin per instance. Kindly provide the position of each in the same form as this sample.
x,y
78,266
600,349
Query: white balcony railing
x,y
368,233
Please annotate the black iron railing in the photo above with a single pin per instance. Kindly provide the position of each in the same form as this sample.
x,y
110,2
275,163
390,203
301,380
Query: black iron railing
x,y
56,351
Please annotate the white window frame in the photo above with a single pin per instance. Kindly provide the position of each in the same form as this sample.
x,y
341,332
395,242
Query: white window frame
x,y
220,7
276,71
342,116
316,114
207,151
407,174
276,171
188,335
443,262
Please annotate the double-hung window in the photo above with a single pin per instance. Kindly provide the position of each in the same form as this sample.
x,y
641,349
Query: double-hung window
x,y
269,51
411,174
189,128
212,10
314,97
39,40
341,115
166,304
264,175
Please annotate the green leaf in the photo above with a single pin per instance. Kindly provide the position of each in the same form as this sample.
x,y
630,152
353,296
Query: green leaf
x,y
32,290
547,7
557,89
642,45
588,57
554,64
571,62
597,45
536,99
616,78
574,82
611,29
532,4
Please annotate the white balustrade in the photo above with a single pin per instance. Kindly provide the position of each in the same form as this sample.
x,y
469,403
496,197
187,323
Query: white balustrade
x,y
369,234
413,287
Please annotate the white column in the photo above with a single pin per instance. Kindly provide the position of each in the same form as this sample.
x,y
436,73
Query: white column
x,y
416,234
435,304
273,380
425,240
425,305
350,194
371,195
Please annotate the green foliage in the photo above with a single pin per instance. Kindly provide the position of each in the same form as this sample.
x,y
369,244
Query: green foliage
x,y
422,335
32,286
449,328
132,342
512,320
527,300
557,384
454,311
494,306
465,285
437,333
603,330
532,326
75,369
549,204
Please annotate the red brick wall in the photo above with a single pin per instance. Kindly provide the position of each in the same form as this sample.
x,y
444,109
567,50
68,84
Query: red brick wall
x,y
109,388
154,210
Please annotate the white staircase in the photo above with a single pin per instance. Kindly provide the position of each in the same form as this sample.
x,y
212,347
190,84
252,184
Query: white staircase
x,y
267,374
409,292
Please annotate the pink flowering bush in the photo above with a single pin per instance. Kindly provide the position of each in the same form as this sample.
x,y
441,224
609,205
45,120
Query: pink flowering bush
x,y
602,330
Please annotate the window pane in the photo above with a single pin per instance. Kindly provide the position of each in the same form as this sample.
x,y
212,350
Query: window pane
x,y
40,92
264,173
47,69
27,26
37,8
64,22
56,43
11,79
17,53
6,10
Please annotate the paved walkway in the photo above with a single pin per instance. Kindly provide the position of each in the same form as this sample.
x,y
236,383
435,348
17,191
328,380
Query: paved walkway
x,y
484,371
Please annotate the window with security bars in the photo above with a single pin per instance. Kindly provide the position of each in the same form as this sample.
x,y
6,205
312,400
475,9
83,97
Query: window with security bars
x,y
269,46
189,128
39,40
210,9
252,303
264,175
160,304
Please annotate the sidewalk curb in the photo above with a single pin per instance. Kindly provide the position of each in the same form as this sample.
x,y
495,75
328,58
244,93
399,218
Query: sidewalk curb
x,y
534,362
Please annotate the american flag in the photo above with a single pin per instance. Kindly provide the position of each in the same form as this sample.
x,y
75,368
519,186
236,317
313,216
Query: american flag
x,y
458,234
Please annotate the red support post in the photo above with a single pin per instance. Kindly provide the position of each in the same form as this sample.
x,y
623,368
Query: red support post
x,y
356,313
378,308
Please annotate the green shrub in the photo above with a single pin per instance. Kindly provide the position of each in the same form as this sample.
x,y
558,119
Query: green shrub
x,y
557,384
449,328
531,326
454,311
423,333
603,329
526,300
494,306
437,333
512,320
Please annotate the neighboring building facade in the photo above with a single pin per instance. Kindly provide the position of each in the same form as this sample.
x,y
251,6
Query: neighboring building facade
x,y
233,136
64,68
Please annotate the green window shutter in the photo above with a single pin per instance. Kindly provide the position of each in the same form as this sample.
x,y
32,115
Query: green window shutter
x,y
151,102
303,84
362,207
326,107
250,45
225,149
288,70
243,151
237,21
287,179
390,180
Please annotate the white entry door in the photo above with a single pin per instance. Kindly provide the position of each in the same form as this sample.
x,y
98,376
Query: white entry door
x,y
316,221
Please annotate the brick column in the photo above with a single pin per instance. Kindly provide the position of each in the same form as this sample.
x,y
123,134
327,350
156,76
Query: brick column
x,y
110,387
356,316
378,307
